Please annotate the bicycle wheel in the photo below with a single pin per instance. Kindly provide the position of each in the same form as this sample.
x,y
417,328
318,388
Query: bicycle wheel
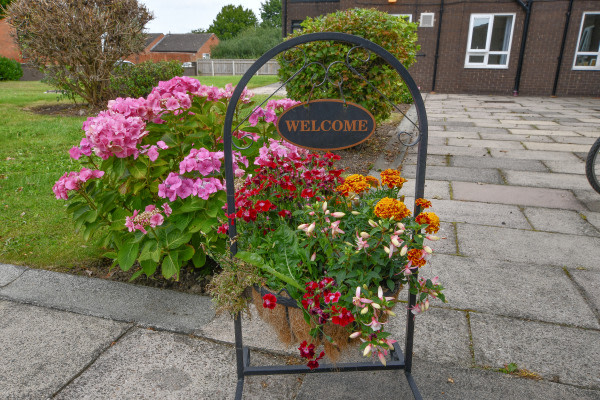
x,y
592,166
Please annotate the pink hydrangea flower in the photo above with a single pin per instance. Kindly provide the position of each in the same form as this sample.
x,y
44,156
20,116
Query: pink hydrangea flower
x,y
73,181
114,134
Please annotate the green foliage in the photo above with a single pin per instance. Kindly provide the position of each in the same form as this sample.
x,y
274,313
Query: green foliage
x,y
270,13
231,20
139,80
396,35
10,70
3,5
252,42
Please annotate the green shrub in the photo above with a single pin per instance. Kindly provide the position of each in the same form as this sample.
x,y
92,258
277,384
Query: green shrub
x,y
10,70
252,42
135,81
396,35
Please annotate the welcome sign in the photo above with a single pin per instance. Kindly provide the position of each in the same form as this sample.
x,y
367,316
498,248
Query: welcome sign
x,y
326,124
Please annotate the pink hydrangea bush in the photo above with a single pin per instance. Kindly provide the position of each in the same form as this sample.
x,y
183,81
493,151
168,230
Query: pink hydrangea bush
x,y
153,173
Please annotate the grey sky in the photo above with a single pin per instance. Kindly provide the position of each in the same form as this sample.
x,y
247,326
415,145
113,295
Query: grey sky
x,y
181,16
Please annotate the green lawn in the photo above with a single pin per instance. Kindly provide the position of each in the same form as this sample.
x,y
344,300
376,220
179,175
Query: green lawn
x,y
221,81
34,228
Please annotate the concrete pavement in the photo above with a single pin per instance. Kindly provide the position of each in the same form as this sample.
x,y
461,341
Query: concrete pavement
x,y
521,264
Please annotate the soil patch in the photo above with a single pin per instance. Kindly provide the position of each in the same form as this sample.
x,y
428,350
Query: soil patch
x,y
65,110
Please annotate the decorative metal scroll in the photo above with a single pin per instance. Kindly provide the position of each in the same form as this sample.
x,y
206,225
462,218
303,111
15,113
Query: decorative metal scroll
x,y
417,134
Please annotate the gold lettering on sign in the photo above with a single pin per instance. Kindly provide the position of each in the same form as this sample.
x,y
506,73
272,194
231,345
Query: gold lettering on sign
x,y
357,125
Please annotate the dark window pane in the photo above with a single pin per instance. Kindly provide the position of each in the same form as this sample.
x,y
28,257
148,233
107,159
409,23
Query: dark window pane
x,y
480,30
476,59
497,59
501,33
590,33
586,61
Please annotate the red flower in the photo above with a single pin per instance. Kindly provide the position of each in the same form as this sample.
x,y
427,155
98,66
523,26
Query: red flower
x,y
307,350
343,318
269,301
264,205
332,297
312,364
311,286
223,229
307,193
285,213
326,281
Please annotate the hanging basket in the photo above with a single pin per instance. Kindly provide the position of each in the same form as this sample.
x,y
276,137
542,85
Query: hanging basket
x,y
288,321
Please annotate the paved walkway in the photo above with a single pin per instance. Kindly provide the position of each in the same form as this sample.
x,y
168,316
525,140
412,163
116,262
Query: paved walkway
x,y
521,264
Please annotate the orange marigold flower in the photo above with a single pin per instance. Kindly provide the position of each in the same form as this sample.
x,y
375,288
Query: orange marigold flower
x,y
371,180
415,256
431,219
388,208
357,183
343,189
423,203
391,178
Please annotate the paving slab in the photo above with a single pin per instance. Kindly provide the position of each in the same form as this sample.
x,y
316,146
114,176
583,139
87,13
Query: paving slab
x,y
574,139
556,249
493,144
589,197
562,221
479,213
528,122
458,151
500,163
569,355
534,155
518,195
497,287
8,273
545,132
566,167
590,282
556,146
432,160
165,309
592,217
545,180
454,134
442,173
433,189
147,364
441,335
517,138
435,381
42,349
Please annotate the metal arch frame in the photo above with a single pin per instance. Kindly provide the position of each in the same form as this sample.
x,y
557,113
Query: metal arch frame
x,y
399,360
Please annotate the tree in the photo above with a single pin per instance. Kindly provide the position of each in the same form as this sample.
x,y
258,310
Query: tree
x,y
396,35
231,20
3,5
252,42
270,13
77,43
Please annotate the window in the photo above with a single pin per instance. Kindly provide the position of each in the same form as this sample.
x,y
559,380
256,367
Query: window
x,y
296,25
408,17
206,56
587,53
490,37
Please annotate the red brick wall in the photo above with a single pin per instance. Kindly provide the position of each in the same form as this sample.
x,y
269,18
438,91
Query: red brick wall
x,y
147,55
8,48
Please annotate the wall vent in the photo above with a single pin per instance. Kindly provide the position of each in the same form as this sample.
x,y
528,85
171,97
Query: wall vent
x,y
426,20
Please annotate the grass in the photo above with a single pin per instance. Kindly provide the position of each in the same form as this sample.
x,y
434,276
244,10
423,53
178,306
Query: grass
x,y
34,228
221,81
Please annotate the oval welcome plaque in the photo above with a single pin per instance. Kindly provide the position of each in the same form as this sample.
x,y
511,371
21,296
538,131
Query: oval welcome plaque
x,y
326,124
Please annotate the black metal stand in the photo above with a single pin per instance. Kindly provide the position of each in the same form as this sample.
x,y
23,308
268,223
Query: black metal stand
x,y
399,360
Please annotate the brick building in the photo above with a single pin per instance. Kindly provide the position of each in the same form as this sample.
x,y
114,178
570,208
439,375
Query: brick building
x,y
184,47
474,46
8,47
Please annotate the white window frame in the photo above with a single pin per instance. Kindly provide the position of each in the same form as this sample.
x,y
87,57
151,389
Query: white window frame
x,y
586,53
206,56
486,52
432,15
409,16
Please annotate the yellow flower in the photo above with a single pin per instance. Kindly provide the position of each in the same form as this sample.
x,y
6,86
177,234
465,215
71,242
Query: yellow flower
x,y
371,180
357,183
423,203
416,257
391,178
391,208
430,219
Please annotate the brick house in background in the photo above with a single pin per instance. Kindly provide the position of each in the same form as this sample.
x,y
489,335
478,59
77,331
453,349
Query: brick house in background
x,y
184,47
527,47
8,47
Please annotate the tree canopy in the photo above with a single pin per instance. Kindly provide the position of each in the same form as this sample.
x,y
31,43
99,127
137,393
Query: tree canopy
x,y
3,5
231,20
270,13
77,43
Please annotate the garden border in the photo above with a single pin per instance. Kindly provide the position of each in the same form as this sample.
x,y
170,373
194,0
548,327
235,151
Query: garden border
x,y
399,360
